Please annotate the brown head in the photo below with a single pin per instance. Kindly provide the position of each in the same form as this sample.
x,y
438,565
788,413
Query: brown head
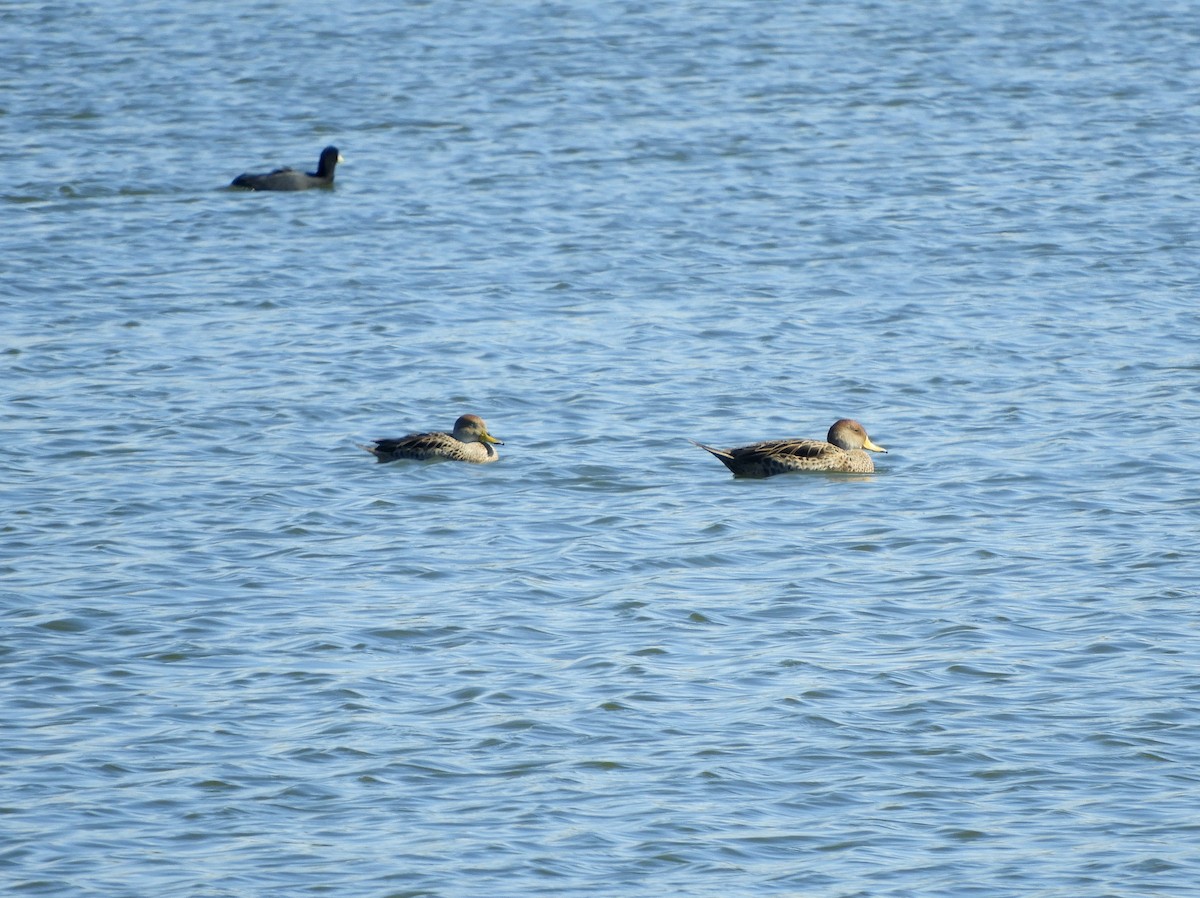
x,y
471,429
848,434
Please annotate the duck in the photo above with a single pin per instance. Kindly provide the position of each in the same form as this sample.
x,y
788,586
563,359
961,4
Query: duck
x,y
290,179
469,441
841,452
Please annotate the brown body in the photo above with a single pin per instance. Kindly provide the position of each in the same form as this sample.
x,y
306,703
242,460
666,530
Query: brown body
x,y
470,442
841,452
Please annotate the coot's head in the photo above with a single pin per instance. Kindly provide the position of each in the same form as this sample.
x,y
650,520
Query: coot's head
x,y
330,157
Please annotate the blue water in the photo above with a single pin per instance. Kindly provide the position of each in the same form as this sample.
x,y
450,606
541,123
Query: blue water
x,y
239,658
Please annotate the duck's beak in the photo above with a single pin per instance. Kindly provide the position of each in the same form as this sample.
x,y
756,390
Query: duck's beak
x,y
488,438
867,444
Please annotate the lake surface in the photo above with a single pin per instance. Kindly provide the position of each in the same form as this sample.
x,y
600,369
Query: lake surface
x,y
239,658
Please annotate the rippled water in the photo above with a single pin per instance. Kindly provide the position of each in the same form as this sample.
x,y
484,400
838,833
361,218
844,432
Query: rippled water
x,y
241,659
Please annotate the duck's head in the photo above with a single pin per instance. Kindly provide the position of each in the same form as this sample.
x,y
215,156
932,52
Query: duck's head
x,y
848,434
471,429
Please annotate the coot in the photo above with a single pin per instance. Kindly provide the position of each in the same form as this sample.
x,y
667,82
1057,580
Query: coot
x,y
290,179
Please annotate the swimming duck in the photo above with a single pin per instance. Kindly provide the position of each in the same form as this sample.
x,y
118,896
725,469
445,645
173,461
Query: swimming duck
x,y
470,441
290,179
841,451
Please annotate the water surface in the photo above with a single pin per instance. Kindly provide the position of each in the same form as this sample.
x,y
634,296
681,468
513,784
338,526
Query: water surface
x,y
241,659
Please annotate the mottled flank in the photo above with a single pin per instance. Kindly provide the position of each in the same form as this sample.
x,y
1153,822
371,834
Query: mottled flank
x,y
470,441
291,179
841,452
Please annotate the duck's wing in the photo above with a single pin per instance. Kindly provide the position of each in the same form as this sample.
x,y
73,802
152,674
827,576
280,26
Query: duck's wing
x,y
785,449
774,457
418,446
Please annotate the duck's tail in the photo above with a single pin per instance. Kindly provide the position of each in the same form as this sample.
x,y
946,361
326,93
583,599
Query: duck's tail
x,y
373,448
725,457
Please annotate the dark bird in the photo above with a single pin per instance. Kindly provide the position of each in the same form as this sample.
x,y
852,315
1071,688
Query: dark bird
x,y
290,179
